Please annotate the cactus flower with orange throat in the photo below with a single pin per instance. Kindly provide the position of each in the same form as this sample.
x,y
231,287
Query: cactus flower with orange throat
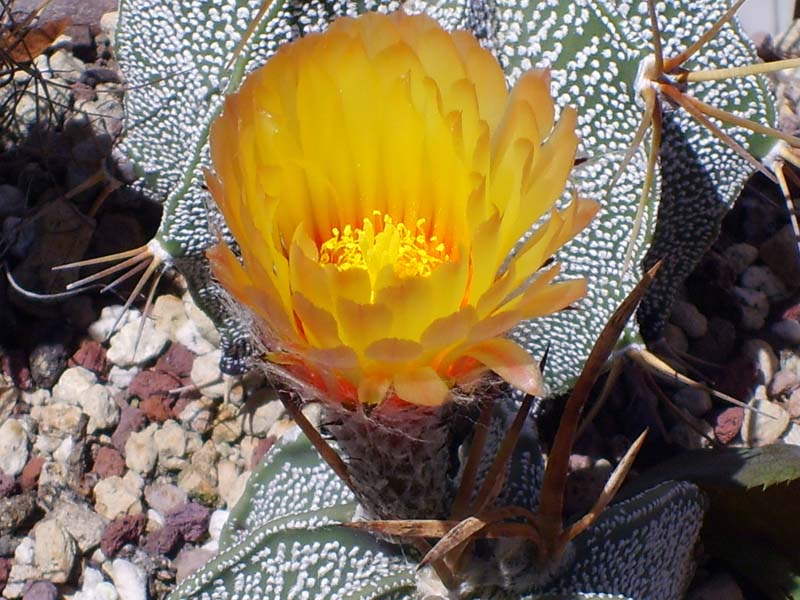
x,y
376,178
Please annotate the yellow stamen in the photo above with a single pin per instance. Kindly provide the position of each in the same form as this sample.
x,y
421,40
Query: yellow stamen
x,y
395,244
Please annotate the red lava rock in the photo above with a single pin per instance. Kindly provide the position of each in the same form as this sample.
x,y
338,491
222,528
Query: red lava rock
x,y
90,355
29,477
15,365
41,590
153,383
163,541
177,361
8,486
5,571
191,519
728,423
155,408
108,462
121,531
793,312
130,419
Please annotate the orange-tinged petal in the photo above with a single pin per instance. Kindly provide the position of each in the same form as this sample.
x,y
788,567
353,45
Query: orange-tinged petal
x,y
421,386
510,362
448,330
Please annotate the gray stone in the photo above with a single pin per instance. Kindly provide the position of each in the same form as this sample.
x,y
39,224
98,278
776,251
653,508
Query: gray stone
x,y
66,66
163,497
686,316
169,315
788,330
12,202
81,522
762,279
189,560
741,256
54,551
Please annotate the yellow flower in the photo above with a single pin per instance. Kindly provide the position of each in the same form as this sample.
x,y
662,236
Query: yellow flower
x,y
376,177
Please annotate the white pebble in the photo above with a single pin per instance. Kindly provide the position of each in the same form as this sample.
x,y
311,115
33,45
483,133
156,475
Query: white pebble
x,y
216,523
123,343
13,447
130,580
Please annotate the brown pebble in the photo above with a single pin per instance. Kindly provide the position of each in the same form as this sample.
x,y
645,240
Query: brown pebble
x,y
728,423
29,477
121,531
92,356
108,463
156,409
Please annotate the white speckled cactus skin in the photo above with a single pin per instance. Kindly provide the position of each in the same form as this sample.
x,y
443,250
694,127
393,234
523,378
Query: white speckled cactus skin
x,y
282,541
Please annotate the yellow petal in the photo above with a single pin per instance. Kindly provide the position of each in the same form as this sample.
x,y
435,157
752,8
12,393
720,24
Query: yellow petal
x,y
372,389
319,325
362,324
421,386
393,350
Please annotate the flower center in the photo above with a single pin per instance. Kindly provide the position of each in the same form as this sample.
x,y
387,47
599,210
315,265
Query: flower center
x,y
410,254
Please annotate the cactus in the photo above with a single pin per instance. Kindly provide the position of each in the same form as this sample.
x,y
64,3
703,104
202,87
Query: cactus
x,y
180,61
284,539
